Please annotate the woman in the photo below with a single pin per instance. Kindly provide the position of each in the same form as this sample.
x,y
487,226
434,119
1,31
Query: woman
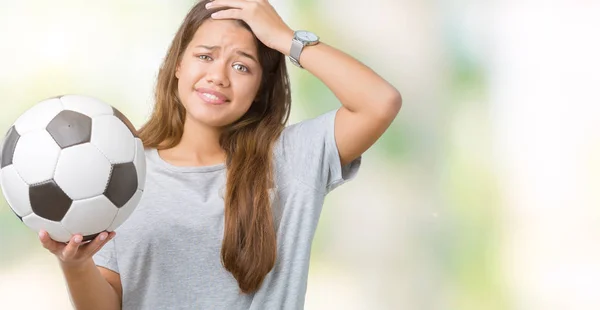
x,y
232,196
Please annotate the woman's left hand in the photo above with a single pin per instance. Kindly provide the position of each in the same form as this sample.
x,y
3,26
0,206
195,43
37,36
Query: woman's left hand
x,y
262,18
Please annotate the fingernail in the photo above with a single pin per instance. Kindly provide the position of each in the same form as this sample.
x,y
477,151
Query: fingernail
x,y
102,236
208,5
41,234
78,239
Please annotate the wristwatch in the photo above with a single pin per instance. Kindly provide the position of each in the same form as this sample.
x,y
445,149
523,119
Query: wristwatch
x,y
301,39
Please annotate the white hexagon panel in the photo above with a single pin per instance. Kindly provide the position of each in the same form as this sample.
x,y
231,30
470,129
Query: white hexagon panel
x,y
140,163
126,211
35,157
55,229
89,216
38,116
112,137
16,191
89,106
82,171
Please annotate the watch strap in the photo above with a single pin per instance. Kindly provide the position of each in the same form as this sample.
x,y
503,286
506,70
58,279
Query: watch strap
x,y
295,52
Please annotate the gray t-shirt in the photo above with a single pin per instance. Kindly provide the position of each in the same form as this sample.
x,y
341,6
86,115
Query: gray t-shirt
x,y
168,252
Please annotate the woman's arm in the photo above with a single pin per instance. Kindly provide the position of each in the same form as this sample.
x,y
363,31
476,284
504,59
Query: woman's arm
x,y
90,287
369,103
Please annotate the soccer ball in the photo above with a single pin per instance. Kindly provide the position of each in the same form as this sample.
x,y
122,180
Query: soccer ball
x,y
72,165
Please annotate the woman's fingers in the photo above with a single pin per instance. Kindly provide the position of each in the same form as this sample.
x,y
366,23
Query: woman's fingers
x,y
70,250
98,242
53,246
75,250
239,4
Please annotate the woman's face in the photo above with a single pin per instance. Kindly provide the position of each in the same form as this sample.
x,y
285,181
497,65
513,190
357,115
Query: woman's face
x,y
219,74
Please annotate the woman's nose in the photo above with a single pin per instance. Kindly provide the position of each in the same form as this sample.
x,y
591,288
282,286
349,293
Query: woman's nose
x,y
217,74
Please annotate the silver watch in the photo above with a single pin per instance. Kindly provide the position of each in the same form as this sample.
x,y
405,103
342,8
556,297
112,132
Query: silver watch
x,y
301,39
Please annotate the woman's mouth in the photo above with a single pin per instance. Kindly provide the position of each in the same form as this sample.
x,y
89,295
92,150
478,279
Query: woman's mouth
x,y
211,96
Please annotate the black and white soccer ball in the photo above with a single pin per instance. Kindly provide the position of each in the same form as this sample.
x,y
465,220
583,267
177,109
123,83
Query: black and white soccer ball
x,y
72,165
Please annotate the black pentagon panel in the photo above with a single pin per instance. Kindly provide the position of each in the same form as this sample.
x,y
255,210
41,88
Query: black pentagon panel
x,y
70,128
49,201
8,148
122,185
125,121
90,237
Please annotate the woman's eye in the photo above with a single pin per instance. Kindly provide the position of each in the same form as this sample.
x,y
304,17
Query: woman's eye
x,y
240,68
203,57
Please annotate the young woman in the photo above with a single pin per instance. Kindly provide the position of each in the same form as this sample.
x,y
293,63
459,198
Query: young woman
x,y
232,196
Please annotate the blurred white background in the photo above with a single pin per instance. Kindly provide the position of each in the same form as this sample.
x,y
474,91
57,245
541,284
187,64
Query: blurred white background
x,y
482,195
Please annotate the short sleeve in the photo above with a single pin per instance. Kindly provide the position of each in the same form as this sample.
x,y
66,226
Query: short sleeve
x,y
311,154
107,257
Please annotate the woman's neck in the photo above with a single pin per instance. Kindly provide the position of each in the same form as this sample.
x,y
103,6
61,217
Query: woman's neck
x,y
199,146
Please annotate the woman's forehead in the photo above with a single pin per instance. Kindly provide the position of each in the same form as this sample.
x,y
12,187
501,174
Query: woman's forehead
x,y
224,34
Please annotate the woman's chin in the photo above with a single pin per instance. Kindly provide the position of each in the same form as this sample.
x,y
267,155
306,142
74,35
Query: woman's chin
x,y
213,117
212,120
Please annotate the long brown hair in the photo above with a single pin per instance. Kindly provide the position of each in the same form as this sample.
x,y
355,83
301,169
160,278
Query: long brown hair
x,y
249,246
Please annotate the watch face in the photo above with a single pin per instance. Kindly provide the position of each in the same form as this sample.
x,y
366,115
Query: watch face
x,y
307,36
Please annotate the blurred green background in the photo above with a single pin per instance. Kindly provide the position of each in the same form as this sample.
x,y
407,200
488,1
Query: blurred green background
x,y
482,194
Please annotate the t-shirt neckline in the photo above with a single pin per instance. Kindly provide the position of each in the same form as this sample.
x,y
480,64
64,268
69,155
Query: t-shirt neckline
x,y
154,156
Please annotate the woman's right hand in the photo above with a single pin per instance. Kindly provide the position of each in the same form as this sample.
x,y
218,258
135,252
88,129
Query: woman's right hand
x,y
74,253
